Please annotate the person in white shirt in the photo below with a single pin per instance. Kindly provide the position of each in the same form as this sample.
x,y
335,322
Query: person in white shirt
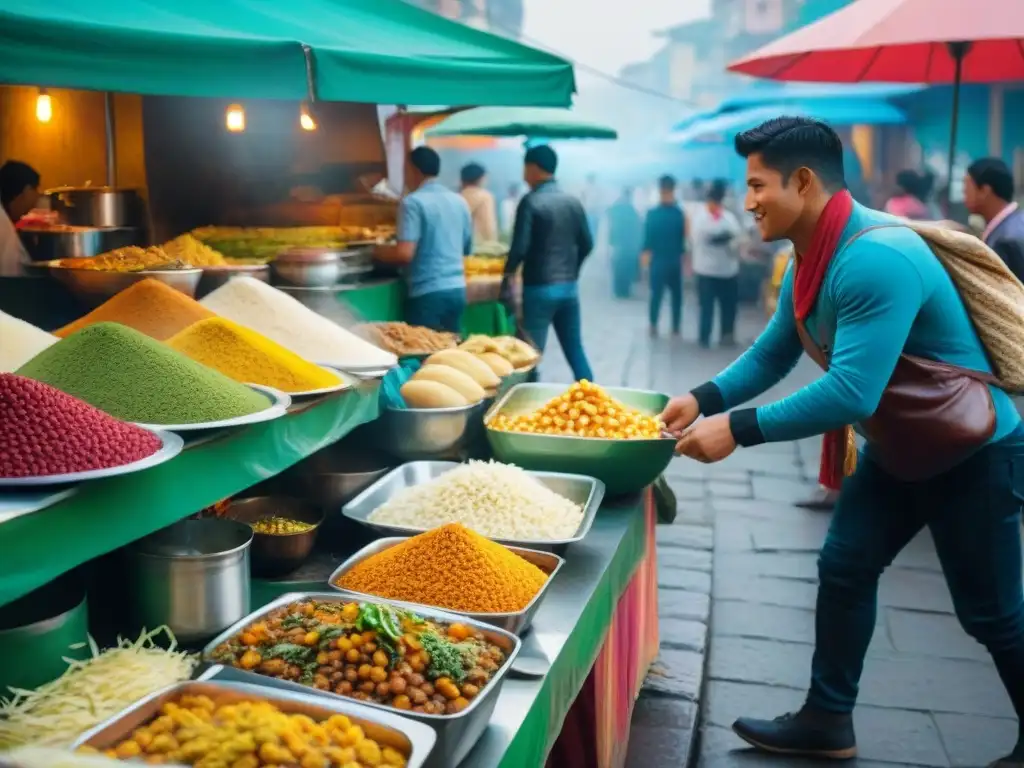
x,y
715,231
19,193
508,210
482,208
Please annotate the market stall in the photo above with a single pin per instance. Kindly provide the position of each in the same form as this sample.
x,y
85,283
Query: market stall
x,y
178,452
584,648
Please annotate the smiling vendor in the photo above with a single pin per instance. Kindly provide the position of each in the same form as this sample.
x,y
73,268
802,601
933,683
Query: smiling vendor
x,y
19,193
435,233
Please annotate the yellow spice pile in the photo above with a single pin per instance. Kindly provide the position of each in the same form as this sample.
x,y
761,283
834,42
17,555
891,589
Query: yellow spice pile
x,y
449,567
584,410
249,358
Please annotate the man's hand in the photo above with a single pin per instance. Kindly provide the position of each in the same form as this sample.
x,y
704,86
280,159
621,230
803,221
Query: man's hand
x,y
709,441
679,414
645,259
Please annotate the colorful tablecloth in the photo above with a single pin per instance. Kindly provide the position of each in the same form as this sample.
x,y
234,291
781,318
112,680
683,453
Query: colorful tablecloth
x,y
595,733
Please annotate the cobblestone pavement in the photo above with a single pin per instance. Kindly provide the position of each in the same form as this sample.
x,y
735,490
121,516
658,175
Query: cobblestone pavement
x,y
741,560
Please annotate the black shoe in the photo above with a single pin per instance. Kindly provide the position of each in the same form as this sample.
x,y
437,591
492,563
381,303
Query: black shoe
x,y
727,342
807,733
1013,760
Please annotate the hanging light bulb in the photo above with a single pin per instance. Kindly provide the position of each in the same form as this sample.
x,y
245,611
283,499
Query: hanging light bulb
x,y
44,107
306,119
235,118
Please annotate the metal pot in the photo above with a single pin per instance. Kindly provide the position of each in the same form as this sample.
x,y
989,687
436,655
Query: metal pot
x,y
97,206
309,267
46,244
192,576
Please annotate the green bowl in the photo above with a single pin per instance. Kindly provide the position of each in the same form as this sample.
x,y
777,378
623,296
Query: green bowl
x,y
624,466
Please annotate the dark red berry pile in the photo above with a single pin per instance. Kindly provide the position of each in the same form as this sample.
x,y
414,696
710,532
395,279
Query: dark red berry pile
x,y
44,431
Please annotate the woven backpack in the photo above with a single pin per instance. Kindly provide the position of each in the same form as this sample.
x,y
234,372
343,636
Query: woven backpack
x,y
993,295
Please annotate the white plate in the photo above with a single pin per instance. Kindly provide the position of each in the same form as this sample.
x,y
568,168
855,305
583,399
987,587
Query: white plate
x,y
340,387
363,372
279,406
172,445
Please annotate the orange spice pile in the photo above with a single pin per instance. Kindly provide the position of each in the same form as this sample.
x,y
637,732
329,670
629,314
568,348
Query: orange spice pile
x,y
449,567
148,306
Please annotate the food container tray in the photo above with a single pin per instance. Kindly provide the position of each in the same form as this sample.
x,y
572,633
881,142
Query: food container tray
x,y
582,490
456,734
516,623
624,466
407,736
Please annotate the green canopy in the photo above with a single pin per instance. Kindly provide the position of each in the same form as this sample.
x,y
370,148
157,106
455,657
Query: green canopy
x,y
380,51
521,121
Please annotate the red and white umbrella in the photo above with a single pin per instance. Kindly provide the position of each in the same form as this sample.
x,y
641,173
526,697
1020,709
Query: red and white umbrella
x,y
902,41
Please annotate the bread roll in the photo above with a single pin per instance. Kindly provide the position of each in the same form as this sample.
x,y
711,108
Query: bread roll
x,y
430,394
453,378
469,364
497,363
521,354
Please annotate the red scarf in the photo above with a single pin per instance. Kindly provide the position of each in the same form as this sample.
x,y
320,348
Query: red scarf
x,y
811,273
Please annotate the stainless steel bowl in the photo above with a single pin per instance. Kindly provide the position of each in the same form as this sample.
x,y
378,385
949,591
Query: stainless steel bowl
x,y
98,206
333,476
93,286
412,434
47,244
309,267
277,555
214,277
192,576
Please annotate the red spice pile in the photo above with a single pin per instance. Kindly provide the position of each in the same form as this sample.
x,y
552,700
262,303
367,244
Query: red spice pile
x,y
44,431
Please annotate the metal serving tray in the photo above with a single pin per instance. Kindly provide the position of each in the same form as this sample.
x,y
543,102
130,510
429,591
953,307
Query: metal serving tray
x,y
516,623
415,740
456,734
580,489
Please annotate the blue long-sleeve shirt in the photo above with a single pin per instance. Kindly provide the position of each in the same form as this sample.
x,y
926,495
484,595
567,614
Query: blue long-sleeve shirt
x,y
883,295
664,235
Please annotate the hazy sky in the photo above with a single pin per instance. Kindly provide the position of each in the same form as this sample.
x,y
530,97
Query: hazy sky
x,y
606,34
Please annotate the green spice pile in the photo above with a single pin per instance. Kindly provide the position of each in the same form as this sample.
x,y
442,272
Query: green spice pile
x,y
135,378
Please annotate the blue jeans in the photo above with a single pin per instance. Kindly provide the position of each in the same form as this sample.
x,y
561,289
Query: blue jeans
x,y
973,512
440,310
558,305
667,277
723,291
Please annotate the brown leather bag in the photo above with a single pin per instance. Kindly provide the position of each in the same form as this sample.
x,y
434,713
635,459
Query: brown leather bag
x,y
932,415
